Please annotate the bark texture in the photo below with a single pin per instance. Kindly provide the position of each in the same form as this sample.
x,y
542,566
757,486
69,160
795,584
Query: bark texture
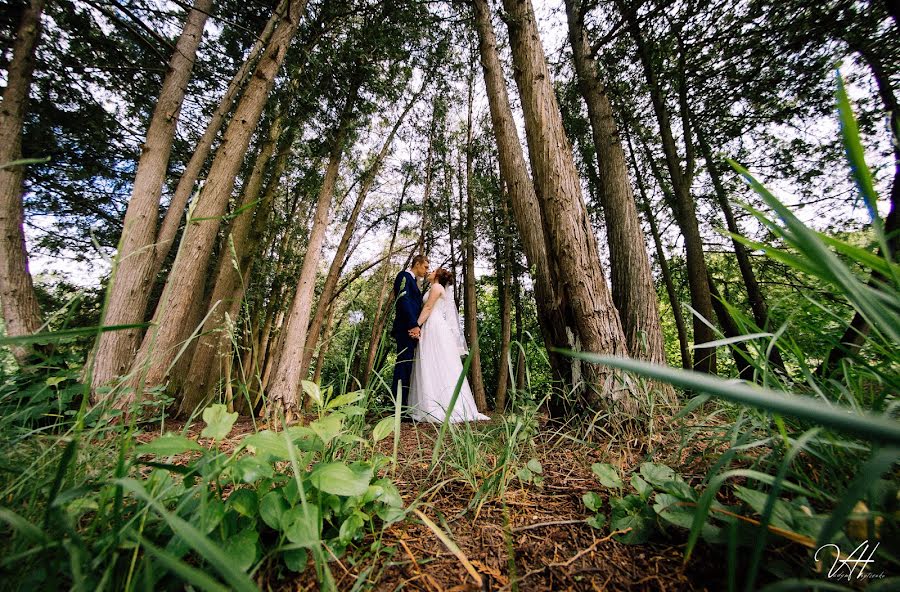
x,y
172,220
241,244
21,312
685,211
185,282
131,279
554,315
334,270
571,240
470,306
283,394
633,290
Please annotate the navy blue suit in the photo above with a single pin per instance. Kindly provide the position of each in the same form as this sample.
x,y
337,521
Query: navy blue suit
x,y
408,304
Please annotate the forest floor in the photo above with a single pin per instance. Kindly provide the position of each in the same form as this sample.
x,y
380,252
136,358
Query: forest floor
x,y
528,538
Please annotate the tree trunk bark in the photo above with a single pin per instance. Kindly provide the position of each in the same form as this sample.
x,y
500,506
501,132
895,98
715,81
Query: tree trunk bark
x,y
503,279
754,293
334,270
228,290
476,379
160,345
520,333
131,279
674,302
558,186
685,212
633,291
171,221
283,396
554,315
380,315
424,247
739,351
21,312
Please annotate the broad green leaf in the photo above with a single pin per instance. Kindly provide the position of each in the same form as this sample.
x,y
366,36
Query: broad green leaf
x,y
351,527
328,427
250,469
345,399
271,508
597,521
267,445
535,466
242,549
592,501
383,429
304,528
295,559
607,475
632,513
390,495
657,474
524,474
312,389
218,422
340,479
211,513
55,380
244,502
644,489
167,445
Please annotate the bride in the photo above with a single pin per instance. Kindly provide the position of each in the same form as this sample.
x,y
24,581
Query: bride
x,y
437,367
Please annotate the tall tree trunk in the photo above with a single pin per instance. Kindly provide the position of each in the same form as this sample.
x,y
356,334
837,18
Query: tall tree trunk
x,y
283,395
754,293
185,281
739,351
337,262
380,314
423,246
21,312
554,316
571,240
231,277
131,279
448,178
326,343
674,302
520,332
632,281
476,379
685,212
172,220
503,259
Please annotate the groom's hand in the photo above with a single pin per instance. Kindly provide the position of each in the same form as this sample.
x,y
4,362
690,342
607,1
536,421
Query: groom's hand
x,y
415,332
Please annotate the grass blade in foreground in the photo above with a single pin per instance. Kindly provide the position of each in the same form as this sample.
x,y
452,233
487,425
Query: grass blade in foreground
x,y
875,428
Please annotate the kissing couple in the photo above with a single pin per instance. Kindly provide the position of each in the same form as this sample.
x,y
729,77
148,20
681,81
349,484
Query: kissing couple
x,y
429,346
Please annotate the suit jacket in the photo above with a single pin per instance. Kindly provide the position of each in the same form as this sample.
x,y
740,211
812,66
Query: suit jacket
x,y
408,304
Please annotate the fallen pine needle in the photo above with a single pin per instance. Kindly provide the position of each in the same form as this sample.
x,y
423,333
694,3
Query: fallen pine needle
x,y
448,542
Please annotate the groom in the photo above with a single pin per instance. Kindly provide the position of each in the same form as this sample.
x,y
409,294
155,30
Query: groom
x,y
408,299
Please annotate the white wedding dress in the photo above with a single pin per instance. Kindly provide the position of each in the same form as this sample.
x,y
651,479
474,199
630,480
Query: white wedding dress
x,y
437,367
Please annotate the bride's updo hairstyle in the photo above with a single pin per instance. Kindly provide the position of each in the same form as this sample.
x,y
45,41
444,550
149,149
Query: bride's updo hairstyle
x,y
443,276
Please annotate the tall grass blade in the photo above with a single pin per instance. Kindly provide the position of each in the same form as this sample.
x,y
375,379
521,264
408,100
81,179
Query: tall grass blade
x,y
186,572
236,579
875,428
